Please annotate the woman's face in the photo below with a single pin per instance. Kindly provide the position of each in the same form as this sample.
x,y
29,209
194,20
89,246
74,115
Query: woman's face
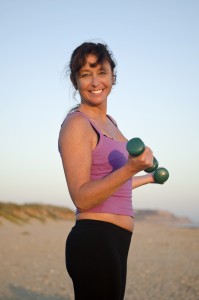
x,y
94,82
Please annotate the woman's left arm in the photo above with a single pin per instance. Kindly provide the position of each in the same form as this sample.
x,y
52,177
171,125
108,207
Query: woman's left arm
x,y
142,180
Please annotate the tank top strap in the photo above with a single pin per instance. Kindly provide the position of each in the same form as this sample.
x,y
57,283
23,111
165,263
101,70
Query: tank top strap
x,y
112,120
92,124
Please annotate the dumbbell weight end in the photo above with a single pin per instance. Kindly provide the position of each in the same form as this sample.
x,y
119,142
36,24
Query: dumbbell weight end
x,y
135,146
161,175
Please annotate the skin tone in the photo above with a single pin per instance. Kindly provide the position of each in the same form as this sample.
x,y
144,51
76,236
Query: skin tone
x,y
78,139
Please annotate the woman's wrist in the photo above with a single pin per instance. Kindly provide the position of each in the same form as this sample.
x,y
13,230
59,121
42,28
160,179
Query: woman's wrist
x,y
150,178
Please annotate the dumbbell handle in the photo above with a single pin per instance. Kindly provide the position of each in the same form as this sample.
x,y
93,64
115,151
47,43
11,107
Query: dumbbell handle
x,y
136,147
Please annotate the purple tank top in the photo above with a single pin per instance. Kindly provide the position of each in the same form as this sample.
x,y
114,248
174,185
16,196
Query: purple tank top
x,y
108,156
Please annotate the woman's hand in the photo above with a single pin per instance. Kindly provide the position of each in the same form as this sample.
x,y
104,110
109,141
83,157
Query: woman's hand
x,y
141,162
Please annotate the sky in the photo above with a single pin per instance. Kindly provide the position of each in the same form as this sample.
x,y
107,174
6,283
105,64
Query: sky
x,y
156,98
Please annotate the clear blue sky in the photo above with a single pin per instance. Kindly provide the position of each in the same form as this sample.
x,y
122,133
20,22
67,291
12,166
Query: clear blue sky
x,y
156,46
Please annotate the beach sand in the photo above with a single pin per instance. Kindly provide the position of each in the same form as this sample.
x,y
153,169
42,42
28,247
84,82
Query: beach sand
x,y
163,262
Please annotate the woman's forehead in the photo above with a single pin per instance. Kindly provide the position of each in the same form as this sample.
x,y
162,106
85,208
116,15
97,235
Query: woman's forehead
x,y
91,59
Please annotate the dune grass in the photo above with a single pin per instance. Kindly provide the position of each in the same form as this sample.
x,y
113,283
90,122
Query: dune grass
x,y
23,213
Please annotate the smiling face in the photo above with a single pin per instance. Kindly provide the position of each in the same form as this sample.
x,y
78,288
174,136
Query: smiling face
x,y
94,81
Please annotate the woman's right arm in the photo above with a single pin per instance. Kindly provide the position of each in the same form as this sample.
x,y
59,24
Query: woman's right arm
x,y
76,142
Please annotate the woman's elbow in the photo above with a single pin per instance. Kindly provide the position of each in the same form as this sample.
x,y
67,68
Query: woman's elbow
x,y
81,204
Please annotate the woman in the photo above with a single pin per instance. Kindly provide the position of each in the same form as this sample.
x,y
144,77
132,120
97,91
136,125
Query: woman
x,y
98,173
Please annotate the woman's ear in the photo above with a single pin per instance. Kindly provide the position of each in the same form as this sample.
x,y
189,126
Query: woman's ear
x,y
114,79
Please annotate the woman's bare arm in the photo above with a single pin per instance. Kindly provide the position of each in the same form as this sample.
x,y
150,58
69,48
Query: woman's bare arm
x,y
142,180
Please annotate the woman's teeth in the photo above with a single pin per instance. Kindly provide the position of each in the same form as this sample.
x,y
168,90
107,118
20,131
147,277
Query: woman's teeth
x,y
96,92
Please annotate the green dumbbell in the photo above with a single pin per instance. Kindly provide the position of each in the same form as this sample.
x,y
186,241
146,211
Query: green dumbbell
x,y
136,147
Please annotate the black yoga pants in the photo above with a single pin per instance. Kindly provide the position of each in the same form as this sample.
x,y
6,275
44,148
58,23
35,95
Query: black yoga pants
x,y
96,260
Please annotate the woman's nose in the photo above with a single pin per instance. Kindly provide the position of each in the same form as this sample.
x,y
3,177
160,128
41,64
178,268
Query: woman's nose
x,y
94,81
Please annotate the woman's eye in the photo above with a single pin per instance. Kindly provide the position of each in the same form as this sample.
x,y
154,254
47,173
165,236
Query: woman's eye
x,y
102,73
84,75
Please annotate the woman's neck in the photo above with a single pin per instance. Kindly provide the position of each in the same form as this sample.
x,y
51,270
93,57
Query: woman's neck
x,y
96,113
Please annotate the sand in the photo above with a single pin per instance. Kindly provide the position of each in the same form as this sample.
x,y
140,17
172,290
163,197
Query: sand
x,y
163,262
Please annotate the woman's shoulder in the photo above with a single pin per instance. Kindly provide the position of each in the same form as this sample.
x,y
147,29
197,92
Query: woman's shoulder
x,y
74,118
75,124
